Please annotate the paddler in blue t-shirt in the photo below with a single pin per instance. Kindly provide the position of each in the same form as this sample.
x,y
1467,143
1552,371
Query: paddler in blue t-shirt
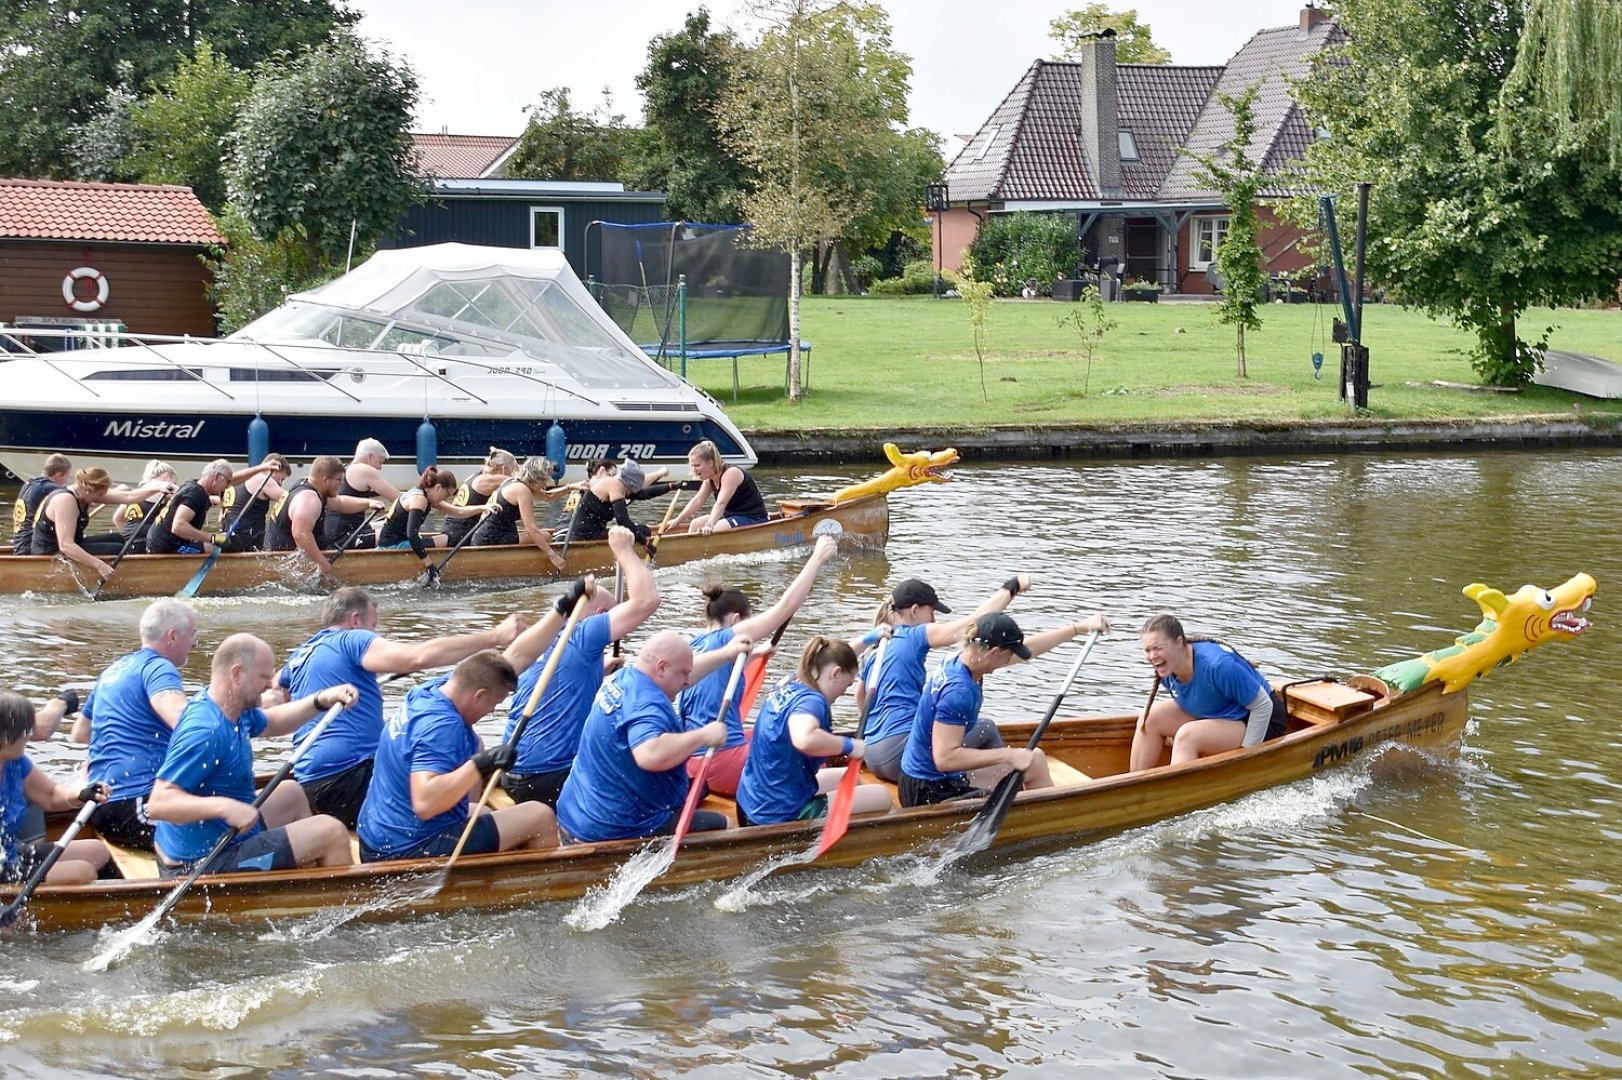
x,y
430,763
897,686
348,649
21,787
1218,700
630,777
547,750
205,790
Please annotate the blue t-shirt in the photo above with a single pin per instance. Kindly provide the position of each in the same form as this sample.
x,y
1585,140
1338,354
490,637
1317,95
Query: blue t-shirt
x,y
608,796
127,737
1223,686
331,657
426,734
209,755
13,804
899,683
553,734
952,696
700,703
778,780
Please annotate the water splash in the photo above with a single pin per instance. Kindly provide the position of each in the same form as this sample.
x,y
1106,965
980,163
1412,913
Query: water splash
x,y
603,903
739,896
123,943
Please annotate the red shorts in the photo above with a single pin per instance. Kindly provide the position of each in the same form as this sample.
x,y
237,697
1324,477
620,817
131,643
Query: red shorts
x,y
726,769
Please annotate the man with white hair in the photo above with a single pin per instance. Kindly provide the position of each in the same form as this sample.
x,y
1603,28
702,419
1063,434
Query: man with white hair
x,y
363,478
128,716
630,776
182,527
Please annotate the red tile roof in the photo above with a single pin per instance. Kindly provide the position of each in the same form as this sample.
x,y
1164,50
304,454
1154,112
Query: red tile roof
x,y
132,213
462,157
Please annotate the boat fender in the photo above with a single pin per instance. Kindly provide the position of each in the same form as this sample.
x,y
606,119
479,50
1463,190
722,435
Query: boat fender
x,y
258,439
427,445
557,450
70,292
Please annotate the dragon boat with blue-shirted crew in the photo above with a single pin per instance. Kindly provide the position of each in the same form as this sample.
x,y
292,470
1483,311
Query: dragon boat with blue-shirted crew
x,y
1421,703
858,515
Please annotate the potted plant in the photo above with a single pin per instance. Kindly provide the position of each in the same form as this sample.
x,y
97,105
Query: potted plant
x,y
1145,292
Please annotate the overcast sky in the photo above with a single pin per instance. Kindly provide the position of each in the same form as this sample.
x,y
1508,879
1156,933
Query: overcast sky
x,y
481,62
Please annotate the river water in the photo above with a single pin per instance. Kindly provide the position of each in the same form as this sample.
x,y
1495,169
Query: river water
x,y
1406,916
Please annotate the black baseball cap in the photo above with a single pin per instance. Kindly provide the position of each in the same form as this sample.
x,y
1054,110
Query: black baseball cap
x,y
998,631
912,591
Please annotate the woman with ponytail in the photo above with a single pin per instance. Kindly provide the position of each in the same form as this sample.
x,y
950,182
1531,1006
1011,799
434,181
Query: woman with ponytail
x,y
499,466
783,778
435,490
512,520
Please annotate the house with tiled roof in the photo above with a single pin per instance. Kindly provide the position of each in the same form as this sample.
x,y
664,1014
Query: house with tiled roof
x,y
73,253
1117,146
462,157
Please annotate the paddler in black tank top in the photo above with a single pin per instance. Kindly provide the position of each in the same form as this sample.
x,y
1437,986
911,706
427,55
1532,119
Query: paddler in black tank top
x,y
737,499
25,512
251,501
499,465
134,520
515,505
604,502
402,528
60,525
363,479
295,520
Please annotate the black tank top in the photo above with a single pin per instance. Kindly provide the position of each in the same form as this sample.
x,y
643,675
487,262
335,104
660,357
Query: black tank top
x,y
340,526
45,531
394,526
239,501
467,495
746,501
278,522
500,526
138,518
26,512
594,518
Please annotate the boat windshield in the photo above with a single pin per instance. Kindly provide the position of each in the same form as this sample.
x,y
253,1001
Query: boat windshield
x,y
302,321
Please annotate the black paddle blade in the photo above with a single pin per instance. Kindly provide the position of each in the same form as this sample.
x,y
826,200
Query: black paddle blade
x,y
986,824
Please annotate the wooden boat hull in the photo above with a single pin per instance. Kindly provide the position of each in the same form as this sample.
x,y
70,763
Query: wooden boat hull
x,y
862,521
1097,746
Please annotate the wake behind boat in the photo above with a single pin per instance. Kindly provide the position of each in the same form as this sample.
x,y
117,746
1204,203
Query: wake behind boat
x,y
492,345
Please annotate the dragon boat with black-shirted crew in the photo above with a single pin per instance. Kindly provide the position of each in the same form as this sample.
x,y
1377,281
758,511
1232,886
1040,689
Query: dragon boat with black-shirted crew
x,y
1421,703
858,515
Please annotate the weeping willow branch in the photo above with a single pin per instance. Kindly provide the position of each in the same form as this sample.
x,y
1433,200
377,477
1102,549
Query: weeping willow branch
x,y
1569,69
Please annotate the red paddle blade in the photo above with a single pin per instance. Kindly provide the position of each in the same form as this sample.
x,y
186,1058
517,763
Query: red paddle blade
x,y
695,792
754,677
839,808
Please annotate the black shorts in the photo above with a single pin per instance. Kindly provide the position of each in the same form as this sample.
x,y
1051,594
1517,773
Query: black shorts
x,y
916,792
341,793
246,539
485,838
267,849
541,787
1281,715
124,822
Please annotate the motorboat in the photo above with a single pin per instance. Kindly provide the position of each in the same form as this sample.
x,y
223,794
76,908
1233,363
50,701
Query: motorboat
x,y
441,351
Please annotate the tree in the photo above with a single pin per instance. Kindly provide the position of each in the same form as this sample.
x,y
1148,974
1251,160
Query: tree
x,y
559,143
892,179
1239,180
1091,323
680,152
323,147
1134,44
819,92
977,294
1568,66
100,147
1478,209
183,128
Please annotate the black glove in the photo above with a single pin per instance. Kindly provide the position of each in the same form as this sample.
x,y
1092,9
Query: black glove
x,y
93,792
692,483
430,574
641,532
70,698
501,756
1012,585
566,602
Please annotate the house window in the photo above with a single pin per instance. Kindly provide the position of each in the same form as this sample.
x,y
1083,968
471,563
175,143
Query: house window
x,y
982,145
546,227
1208,233
1129,145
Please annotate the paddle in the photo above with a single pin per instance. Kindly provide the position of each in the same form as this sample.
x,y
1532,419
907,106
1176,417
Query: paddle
x,y
658,534
100,963
138,534
431,575
619,594
695,790
568,537
518,731
350,539
189,590
755,677
838,819
983,829
13,909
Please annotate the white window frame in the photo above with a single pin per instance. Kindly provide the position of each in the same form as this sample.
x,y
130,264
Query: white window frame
x,y
556,210
1127,144
1206,233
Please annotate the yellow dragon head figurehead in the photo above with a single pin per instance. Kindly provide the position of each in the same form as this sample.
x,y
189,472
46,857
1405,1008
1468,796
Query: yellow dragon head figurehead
x,y
1510,626
918,467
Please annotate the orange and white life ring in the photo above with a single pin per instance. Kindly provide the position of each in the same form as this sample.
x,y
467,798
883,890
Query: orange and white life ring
x,y
70,294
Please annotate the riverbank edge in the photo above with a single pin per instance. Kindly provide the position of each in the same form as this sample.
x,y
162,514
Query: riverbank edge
x,y
1185,439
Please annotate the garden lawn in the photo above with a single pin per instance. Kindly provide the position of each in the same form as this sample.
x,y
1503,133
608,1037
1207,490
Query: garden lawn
x,y
884,363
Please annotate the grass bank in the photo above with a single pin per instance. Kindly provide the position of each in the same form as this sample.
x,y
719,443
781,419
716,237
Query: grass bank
x,y
895,363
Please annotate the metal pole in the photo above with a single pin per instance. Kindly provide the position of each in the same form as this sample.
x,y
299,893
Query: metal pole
x,y
1360,373
681,308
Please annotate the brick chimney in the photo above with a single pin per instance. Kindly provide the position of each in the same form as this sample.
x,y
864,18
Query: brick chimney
x,y
1100,115
1312,16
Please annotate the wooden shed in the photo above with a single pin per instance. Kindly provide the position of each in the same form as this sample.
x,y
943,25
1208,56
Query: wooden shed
x,y
76,254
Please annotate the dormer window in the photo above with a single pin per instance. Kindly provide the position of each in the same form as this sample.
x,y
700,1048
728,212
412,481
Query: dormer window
x,y
1129,145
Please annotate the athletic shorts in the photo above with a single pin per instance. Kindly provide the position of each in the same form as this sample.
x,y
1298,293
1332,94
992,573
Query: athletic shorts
x,y
484,839
341,793
739,520
815,810
541,787
267,849
725,769
916,792
124,822
883,757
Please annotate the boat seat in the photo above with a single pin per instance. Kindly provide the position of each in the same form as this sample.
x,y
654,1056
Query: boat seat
x,y
354,848
1066,775
499,799
1326,702
134,865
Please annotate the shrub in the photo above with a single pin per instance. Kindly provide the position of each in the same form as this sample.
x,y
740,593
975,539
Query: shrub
x,y
918,279
1013,247
866,270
